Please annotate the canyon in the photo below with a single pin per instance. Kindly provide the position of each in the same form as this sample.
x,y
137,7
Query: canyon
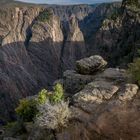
x,y
34,53
39,42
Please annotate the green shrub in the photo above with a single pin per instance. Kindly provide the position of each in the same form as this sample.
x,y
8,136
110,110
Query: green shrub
x,y
10,125
27,109
54,113
42,96
58,94
44,15
134,70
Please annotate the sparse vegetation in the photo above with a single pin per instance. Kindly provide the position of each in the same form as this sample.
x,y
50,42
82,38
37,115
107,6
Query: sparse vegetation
x,y
49,109
53,116
55,113
116,13
27,109
134,70
42,96
44,15
58,94
132,2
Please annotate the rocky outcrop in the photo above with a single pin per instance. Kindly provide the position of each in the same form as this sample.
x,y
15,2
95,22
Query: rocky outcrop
x,y
127,92
44,49
106,108
74,81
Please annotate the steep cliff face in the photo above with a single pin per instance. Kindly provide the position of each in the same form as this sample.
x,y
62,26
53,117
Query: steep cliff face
x,y
17,73
44,49
118,37
74,44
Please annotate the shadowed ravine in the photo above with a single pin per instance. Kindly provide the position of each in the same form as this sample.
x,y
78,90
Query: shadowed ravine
x,y
26,71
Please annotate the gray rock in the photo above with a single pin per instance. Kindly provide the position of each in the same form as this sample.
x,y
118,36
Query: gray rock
x,y
114,74
74,82
96,92
127,92
90,65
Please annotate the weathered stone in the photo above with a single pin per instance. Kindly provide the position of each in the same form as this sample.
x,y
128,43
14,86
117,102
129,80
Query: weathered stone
x,y
127,92
40,134
96,92
90,65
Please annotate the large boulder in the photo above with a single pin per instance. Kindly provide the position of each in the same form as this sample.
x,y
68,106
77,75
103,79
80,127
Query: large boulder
x,y
90,65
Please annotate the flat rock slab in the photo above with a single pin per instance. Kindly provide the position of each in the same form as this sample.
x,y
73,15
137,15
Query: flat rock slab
x,y
96,92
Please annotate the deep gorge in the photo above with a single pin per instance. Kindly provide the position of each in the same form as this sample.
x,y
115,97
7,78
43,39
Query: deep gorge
x,y
35,52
